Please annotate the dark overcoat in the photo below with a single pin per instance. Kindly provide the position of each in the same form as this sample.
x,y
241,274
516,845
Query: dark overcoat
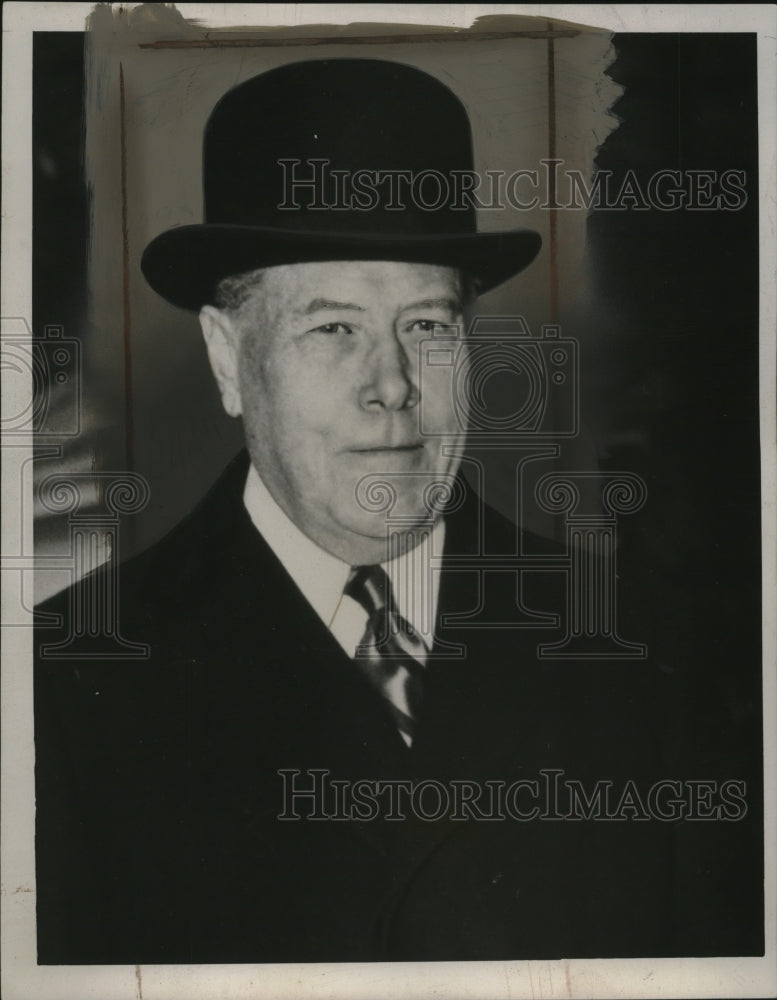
x,y
159,784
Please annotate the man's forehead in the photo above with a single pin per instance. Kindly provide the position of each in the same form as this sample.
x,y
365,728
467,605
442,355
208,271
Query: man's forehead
x,y
320,284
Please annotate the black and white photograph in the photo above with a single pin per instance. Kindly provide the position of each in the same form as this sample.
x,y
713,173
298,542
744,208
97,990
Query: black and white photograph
x,y
388,450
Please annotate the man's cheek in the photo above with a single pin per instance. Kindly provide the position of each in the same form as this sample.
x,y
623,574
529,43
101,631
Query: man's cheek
x,y
438,404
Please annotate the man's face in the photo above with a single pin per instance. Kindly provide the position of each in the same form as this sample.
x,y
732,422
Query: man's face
x,y
327,372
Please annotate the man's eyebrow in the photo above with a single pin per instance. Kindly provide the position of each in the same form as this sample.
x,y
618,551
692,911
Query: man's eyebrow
x,y
452,305
318,305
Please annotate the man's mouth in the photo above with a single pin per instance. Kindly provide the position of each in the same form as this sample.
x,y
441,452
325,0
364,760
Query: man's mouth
x,y
386,448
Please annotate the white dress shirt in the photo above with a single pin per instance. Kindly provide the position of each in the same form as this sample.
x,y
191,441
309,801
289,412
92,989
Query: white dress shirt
x,y
321,577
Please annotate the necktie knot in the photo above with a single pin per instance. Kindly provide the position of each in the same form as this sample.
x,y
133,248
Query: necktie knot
x,y
370,587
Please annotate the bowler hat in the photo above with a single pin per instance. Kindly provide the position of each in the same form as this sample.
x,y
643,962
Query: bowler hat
x,y
335,159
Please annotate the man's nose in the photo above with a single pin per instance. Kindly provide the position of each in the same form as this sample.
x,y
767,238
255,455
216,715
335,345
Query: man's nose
x,y
389,383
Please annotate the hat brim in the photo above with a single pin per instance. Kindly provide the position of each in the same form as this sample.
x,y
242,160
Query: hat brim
x,y
184,265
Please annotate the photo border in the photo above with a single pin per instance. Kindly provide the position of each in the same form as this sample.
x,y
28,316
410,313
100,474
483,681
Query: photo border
x,y
21,977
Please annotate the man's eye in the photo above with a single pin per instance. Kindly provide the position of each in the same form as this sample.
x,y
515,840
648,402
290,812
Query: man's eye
x,y
428,325
436,326
333,328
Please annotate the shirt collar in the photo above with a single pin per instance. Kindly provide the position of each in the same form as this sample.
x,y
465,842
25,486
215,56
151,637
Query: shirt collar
x,y
321,576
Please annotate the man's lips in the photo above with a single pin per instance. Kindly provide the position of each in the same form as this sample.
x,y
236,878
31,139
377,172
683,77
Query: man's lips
x,y
385,448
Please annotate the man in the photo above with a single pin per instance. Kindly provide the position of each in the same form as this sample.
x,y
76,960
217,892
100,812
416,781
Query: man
x,y
249,792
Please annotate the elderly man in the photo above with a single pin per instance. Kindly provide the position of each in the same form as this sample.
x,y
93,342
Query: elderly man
x,y
252,791
322,362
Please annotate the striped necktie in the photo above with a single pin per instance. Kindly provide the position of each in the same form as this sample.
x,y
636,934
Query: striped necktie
x,y
390,654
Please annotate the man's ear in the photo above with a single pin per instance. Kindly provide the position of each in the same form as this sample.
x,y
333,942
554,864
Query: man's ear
x,y
221,341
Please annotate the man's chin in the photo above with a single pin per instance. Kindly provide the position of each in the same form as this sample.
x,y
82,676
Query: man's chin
x,y
362,547
399,497
398,525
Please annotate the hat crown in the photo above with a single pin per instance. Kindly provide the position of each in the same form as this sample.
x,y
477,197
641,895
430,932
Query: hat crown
x,y
332,160
348,145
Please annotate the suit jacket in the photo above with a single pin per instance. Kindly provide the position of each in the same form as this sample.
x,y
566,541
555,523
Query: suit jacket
x,y
158,785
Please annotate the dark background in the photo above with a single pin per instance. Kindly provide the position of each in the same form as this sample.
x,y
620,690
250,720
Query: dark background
x,y
671,389
675,394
